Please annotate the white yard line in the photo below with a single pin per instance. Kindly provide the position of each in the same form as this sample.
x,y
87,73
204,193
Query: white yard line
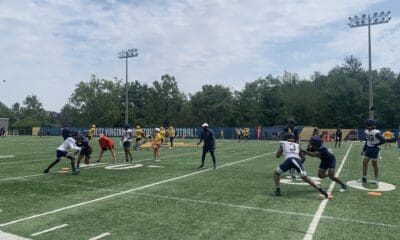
x,y
9,236
100,236
49,230
317,217
128,191
20,177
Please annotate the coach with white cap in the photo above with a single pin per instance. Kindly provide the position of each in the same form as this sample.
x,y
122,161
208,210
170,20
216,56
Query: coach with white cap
x,y
207,135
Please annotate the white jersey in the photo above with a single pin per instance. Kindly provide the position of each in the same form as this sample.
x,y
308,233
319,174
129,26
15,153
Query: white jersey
x,y
127,135
69,145
290,149
371,138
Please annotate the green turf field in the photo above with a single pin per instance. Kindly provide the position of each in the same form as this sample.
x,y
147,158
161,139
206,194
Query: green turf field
x,y
171,199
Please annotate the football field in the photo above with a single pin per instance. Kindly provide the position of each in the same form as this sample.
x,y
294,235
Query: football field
x,y
172,199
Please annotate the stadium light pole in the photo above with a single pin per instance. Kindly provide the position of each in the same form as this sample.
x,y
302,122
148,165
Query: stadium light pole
x,y
369,20
127,54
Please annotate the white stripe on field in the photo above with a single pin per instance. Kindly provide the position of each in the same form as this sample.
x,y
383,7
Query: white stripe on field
x,y
128,191
9,236
100,236
48,230
317,217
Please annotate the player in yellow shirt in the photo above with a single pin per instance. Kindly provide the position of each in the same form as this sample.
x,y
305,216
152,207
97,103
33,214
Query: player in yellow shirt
x,y
238,134
388,135
246,134
171,135
91,132
162,132
138,135
157,141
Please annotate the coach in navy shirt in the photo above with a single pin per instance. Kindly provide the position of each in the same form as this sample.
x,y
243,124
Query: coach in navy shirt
x,y
208,139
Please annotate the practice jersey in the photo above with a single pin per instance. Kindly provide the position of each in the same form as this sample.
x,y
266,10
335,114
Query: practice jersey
x,y
388,135
69,145
246,132
139,133
374,137
290,149
127,135
325,154
91,132
158,138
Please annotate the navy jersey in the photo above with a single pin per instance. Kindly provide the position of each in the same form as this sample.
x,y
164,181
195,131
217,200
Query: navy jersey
x,y
66,133
328,159
208,136
85,147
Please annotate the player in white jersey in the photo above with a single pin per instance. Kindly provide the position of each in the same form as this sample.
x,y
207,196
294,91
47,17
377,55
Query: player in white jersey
x,y
371,149
292,153
126,141
67,149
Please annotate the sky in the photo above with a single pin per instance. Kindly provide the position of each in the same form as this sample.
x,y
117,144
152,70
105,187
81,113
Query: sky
x,y
47,47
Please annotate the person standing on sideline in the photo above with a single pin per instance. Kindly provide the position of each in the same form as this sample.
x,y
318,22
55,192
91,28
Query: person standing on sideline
x,y
290,149
221,135
138,134
388,135
371,149
207,135
156,145
246,133
67,149
171,135
338,137
126,139
91,132
258,133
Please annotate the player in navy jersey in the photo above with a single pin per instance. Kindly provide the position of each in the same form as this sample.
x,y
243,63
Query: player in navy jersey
x,y
291,151
371,149
86,150
328,160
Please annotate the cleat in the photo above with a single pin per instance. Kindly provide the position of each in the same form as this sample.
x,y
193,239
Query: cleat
x,y
98,161
362,179
46,171
214,167
200,167
276,193
325,196
75,172
376,181
344,188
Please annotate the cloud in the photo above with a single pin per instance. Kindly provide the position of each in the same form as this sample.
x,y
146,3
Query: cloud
x,y
56,44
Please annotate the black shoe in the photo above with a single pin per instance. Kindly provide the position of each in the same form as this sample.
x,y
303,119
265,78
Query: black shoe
x,y
98,161
214,167
200,167
276,193
75,172
46,171
126,160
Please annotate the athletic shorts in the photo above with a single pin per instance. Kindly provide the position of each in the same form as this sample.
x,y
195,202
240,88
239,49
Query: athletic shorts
x,y
138,139
292,163
127,144
371,153
60,154
328,164
108,148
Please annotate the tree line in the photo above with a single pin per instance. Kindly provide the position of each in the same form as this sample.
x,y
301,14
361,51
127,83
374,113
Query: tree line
x,y
337,99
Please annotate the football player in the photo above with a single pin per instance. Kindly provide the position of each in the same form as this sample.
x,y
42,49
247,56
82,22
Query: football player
x,y
328,160
106,144
171,134
371,149
290,149
246,133
67,149
139,134
126,142
86,150
207,136
156,144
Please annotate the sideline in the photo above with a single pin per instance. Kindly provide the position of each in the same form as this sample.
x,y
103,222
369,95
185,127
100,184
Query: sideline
x,y
318,214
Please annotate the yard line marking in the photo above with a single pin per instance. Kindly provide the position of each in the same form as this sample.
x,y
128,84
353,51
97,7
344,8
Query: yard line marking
x,y
100,236
21,177
9,236
317,217
96,166
129,191
7,156
48,230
